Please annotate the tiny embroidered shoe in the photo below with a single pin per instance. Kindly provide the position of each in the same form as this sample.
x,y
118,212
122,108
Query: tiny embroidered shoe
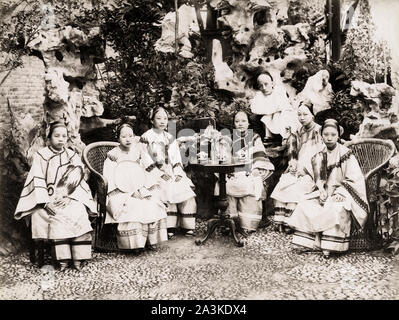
x,y
152,247
77,265
190,233
326,254
63,266
171,235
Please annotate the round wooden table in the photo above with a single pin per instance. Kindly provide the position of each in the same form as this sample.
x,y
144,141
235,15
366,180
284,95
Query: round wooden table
x,y
221,219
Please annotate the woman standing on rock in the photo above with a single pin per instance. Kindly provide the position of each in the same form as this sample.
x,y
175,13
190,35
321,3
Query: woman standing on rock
x,y
324,222
297,181
57,200
245,189
132,200
176,187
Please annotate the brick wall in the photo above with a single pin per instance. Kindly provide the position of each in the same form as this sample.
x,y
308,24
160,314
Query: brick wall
x,y
25,89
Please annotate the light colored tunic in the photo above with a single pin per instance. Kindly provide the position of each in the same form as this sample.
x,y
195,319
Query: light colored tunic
x,y
244,182
140,221
179,195
245,189
342,175
302,146
277,112
55,175
165,152
121,206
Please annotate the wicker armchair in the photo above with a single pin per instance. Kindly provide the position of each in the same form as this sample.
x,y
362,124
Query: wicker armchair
x,y
94,156
373,155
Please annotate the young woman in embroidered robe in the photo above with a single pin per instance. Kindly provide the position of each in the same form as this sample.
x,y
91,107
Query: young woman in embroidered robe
x,y
176,187
134,205
244,188
273,105
325,221
57,200
297,181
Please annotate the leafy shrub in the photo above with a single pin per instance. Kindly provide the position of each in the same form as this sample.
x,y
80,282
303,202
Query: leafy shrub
x,y
364,56
141,78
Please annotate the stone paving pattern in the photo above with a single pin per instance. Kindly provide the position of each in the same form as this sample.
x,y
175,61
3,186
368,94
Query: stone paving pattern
x,y
267,267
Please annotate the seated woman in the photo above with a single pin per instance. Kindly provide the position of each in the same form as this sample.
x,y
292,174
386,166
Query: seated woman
x,y
324,222
58,200
176,187
133,201
272,105
245,190
297,181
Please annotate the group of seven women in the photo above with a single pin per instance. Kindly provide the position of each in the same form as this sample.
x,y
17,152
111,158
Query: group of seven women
x,y
150,197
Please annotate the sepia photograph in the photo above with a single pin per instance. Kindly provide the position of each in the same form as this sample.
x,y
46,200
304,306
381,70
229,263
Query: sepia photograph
x,y
198,156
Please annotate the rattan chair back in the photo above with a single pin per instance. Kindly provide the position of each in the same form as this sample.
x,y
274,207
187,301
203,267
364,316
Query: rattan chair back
x,y
95,153
373,155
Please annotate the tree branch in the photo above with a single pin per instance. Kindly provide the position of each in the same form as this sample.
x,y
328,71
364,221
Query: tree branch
x,y
199,17
177,27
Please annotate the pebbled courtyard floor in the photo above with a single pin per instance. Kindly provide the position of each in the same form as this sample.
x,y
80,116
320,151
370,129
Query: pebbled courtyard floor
x,y
267,267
